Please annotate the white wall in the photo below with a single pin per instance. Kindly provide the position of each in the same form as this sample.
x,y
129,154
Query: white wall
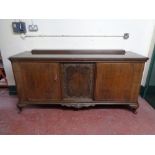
x,y
141,33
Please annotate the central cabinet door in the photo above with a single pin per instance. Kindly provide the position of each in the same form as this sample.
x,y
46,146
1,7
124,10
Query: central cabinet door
x,y
78,81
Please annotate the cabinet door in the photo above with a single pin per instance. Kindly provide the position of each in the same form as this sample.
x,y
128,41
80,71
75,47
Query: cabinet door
x,y
78,81
118,82
37,81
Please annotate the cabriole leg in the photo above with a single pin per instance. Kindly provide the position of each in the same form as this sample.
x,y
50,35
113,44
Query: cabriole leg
x,y
19,108
134,108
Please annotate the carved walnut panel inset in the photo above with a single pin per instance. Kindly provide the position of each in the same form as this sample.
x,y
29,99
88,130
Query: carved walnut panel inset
x,y
78,80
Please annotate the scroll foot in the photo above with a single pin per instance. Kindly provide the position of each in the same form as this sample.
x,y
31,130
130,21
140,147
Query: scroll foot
x,y
134,108
19,108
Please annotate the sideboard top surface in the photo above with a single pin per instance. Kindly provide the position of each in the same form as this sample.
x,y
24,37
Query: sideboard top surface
x,y
79,55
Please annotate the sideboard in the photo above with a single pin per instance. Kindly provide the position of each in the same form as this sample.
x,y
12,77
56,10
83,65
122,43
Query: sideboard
x,y
78,78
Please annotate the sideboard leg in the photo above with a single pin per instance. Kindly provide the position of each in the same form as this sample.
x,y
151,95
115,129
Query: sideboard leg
x,y
19,108
134,111
134,108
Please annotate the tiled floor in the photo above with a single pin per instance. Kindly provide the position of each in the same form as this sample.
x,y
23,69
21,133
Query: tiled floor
x,y
58,120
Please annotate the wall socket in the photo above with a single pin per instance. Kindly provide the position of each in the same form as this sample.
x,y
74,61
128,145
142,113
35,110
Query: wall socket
x,y
19,27
33,28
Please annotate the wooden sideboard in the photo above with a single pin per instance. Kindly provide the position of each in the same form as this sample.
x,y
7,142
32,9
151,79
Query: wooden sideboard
x,y
78,78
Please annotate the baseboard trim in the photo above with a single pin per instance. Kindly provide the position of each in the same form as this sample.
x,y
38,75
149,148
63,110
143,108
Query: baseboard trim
x,y
12,90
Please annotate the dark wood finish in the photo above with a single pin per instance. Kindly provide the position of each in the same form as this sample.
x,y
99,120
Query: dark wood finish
x,y
3,84
118,82
115,52
37,81
78,81
80,56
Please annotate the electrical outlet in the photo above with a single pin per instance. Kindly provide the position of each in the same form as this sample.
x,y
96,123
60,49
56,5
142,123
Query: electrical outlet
x,y
33,28
19,27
